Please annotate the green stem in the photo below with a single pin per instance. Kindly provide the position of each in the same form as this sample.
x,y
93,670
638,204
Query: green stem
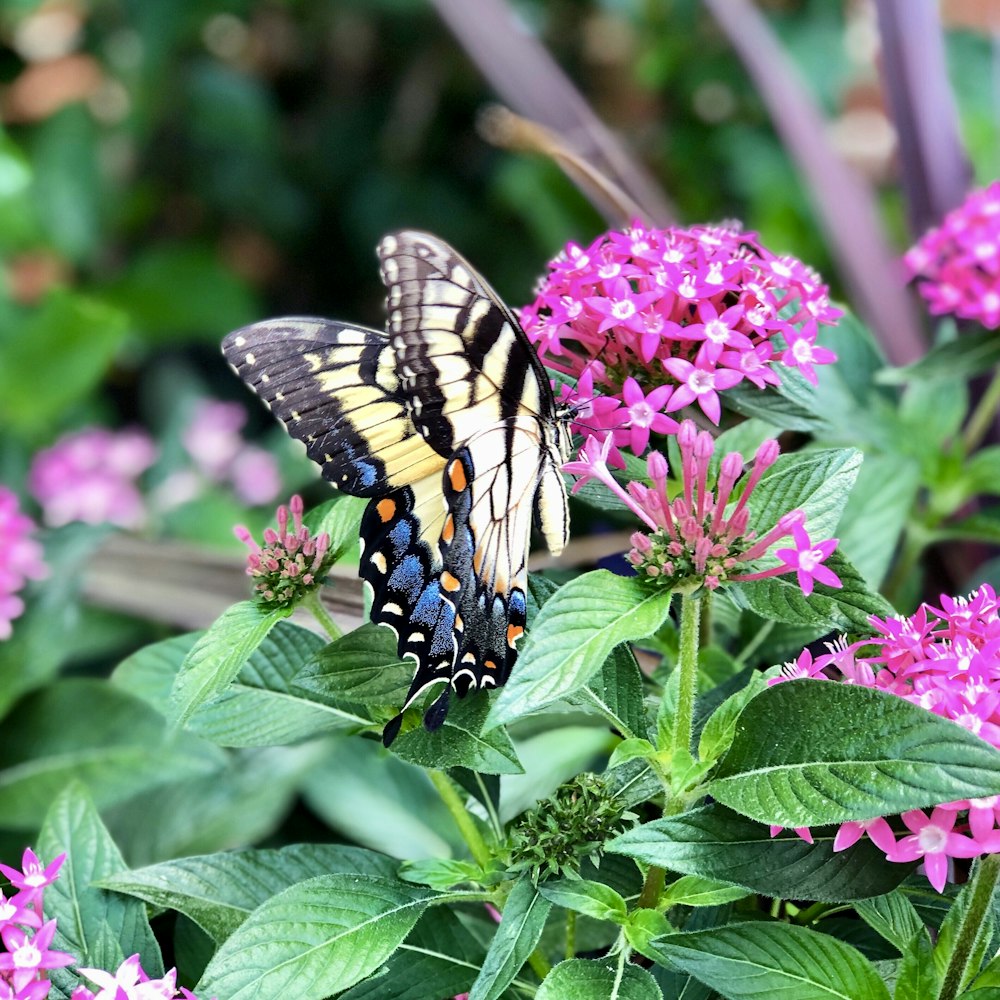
x,y
687,664
465,823
315,604
982,416
570,933
906,564
981,889
652,888
539,964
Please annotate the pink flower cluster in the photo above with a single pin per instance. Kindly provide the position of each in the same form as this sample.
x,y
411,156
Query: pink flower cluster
x,y
27,957
694,540
688,313
958,263
946,660
291,563
221,455
20,559
92,476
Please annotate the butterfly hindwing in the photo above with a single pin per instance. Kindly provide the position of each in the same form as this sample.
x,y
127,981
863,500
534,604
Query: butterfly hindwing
x,y
335,388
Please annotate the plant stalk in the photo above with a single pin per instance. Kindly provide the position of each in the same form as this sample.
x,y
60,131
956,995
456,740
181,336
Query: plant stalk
x,y
981,888
687,664
463,820
982,416
314,603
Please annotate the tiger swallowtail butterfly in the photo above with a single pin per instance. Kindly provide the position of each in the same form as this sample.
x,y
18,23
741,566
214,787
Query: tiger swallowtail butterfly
x,y
448,423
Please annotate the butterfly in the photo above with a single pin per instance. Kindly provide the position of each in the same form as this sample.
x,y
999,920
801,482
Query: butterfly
x,y
448,423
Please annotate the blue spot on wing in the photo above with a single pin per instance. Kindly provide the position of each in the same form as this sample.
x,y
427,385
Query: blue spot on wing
x,y
408,576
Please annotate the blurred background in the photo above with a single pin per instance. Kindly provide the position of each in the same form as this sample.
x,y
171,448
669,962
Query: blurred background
x,y
172,170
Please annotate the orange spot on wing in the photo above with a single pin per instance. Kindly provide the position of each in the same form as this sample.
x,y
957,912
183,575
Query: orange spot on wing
x,y
514,632
489,664
449,582
448,531
459,623
386,510
456,474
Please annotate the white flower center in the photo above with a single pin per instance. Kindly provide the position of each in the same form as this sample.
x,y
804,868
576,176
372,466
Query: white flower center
x,y
717,331
623,310
642,414
932,839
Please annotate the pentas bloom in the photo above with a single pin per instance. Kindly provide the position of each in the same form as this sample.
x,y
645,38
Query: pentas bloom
x,y
958,263
130,982
222,455
687,313
20,559
92,476
946,660
292,563
698,538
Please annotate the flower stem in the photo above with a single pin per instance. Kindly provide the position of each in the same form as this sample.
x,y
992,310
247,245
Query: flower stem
x,y
982,416
652,888
315,604
465,823
981,888
687,664
570,933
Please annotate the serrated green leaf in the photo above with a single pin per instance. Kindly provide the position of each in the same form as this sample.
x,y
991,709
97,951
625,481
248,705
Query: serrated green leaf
x,y
440,873
573,635
52,739
720,727
615,692
340,518
598,979
219,655
957,958
361,668
439,958
847,608
818,482
917,977
100,929
461,742
892,916
315,938
591,898
760,961
630,750
716,843
846,752
219,891
696,890
521,926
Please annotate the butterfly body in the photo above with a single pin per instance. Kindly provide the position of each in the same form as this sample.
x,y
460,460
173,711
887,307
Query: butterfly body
x,y
447,422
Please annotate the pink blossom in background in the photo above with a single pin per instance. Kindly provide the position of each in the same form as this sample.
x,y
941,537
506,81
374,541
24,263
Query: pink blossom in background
x,y
957,265
20,559
214,441
945,660
92,476
692,539
695,310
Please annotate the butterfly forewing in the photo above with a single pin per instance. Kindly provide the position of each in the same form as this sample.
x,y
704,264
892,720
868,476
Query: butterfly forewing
x,y
447,422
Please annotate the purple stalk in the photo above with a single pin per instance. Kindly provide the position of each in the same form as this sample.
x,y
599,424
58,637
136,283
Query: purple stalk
x,y
528,79
935,169
844,201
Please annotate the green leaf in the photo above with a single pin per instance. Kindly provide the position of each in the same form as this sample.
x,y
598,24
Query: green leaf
x,y
591,898
361,668
918,977
720,728
844,752
219,891
818,482
779,598
439,958
615,692
520,928
315,938
761,961
892,916
370,796
630,750
461,742
573,635
983,472
598,979
52,738
340,518
955,956
696,890
967,355
219,655
982,526
714,842
100,929
441,873
53,357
